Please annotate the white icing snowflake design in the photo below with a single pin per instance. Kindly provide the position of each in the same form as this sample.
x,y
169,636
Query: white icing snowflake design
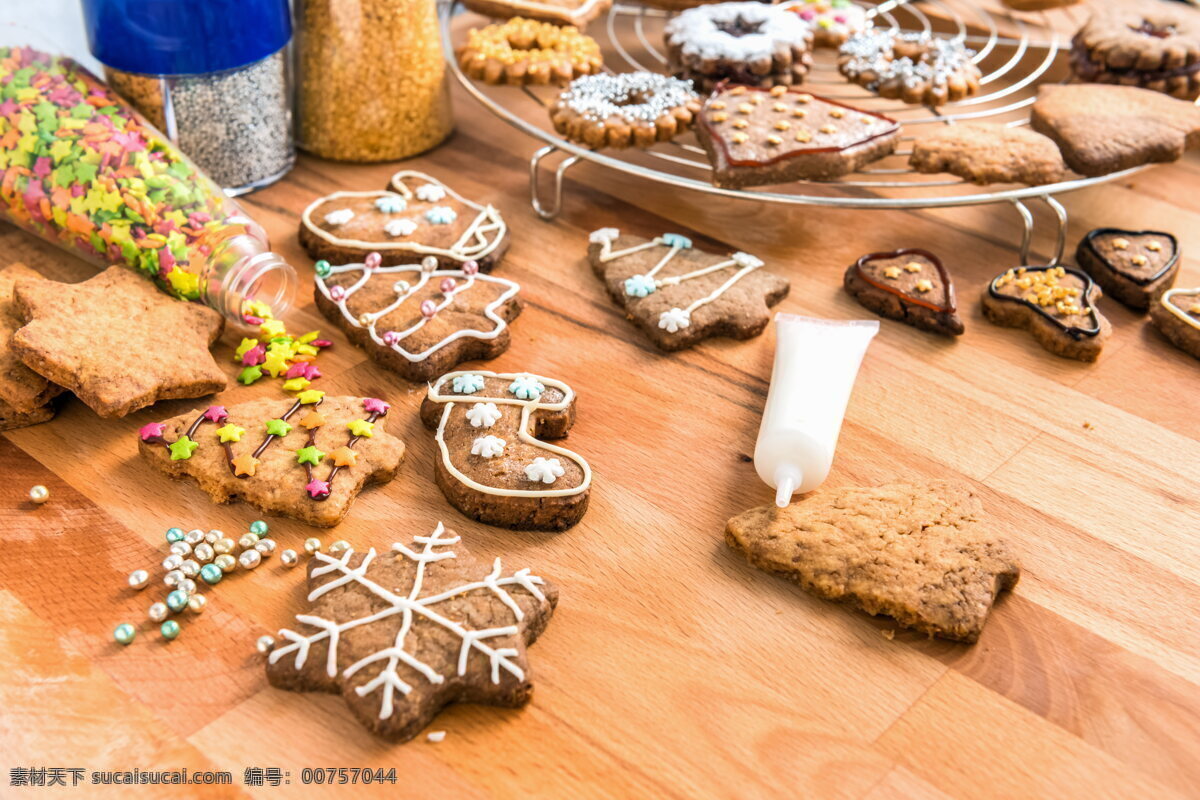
x,y
488,446
545,470
431,193
412,608
527,387
639,286
483,415
391,204
441,215
400,227
674,320
467,383
339,217
604,236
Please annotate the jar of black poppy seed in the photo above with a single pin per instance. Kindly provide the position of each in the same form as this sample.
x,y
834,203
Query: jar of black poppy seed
x,y
213,76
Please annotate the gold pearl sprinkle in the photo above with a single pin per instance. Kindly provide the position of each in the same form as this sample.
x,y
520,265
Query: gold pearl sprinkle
x,y
1139,261
780,107
782,125
775,140
804,98
738,90
778,91
865,120
756,99
837,113
717,105
803,136
746,108
828,128
891,272
799,113
913,266
720,116
1154,247
739,138
924,285
740,123
1121,244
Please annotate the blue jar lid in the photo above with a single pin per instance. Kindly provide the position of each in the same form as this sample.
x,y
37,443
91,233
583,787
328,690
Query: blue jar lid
x,y
185,37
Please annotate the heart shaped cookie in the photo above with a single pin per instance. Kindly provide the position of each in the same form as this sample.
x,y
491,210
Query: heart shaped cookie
x,y
1055,304
416,216
1177,315
909,285
1135,267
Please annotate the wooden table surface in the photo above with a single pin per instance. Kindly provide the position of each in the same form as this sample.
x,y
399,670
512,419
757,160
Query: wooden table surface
x,y
671,668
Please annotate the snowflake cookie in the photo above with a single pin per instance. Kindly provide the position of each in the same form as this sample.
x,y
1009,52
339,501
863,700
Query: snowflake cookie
x,y
679,295
495,464
403,633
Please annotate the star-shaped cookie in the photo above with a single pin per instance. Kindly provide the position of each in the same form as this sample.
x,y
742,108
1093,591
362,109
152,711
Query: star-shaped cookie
x,y
679,295
254,452
22,391
403,633
116,342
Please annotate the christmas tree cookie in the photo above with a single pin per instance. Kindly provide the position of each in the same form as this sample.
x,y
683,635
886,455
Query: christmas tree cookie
x,y
403,633
306,458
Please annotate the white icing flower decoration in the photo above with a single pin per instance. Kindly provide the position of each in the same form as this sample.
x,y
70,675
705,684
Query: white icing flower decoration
x,y
746,261
431,193
604,235
546,470
527,387
400,227
391,204
469,383
339,217
483,415
639,286
488,446
674,320
441,215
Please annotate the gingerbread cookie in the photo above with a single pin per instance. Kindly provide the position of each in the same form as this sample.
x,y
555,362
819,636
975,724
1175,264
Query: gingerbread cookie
x,y
923,554
1176,314
116,342
22,391
11,418
416,319
306,458
1102,129
1134,267
913,67
494,465
1055,304
760,136
405,633
679,295
522,52
908,285
986,153
632,109
832,21
561,12
749,43
416,216
1146,43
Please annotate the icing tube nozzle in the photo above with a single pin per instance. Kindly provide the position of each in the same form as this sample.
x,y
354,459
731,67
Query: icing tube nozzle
x,y
787,480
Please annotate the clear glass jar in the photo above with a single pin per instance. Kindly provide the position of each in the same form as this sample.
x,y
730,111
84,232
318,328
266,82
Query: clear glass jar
x,y
370,78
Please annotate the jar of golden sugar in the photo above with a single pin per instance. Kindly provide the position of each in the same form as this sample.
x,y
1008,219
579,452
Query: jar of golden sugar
x,y
371,78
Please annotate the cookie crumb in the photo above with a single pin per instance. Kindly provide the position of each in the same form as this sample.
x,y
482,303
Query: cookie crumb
x,y
888,634
1087,426
436,736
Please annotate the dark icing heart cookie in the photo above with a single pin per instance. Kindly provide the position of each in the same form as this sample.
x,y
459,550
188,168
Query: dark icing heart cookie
x,y
1055,304
1134,267
909,285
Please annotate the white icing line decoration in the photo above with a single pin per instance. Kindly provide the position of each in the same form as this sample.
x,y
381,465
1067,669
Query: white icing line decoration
x,y
479,239
1176,310
412,608
674,319
406,289
523,432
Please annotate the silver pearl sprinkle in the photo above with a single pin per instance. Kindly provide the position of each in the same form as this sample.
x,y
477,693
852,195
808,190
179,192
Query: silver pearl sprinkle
x,y
225,561
138,579
194,537
311,545
196,603
212,536
187,584
181,549
39,494
247,541
172,562
249,559
289,558
429,264
264,644
173,577
265,547
203,553
190,568
223,545
339,547
158,612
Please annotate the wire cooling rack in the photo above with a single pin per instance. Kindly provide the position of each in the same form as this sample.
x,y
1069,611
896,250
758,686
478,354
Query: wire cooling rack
x,y
1015,53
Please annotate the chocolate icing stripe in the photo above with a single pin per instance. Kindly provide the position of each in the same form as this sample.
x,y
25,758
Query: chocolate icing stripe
x,y
1070,330
1091,246
951,303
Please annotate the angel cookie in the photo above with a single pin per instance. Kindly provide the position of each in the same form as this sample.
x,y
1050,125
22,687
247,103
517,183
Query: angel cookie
x,y
494,465
679,295
416,216
306,459
417,319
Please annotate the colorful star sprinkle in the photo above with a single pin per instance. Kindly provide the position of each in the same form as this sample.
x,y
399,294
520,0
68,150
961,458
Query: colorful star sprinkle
x,y
277,427
151,430
309,455
373,405
317,488
278,354
230,433
344,457
360,427
182,448
249,375
313,419
310,397
295,384
216,414
245,464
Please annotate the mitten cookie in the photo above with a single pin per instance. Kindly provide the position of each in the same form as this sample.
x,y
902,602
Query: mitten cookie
x,y
416,216
404,633
909,285
116,342
1055,304
306,459
1134,267
922,554
679,295
22,391
416,319
494,465
1177,315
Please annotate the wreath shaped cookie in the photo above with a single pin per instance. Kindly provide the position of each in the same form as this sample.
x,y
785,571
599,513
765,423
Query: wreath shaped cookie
x,y
527,52
1152,45
633,109
748,43
913,67
832,21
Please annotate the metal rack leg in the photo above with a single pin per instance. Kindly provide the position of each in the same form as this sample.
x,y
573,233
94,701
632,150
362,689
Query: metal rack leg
x,y
535,198
1027,236
1061,213
1060,244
